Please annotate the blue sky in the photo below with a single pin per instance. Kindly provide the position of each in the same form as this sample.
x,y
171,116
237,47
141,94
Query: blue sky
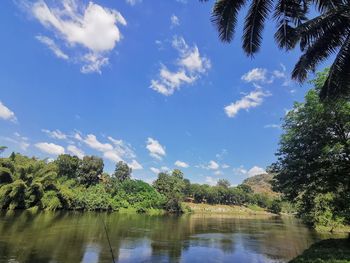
x,y
146,83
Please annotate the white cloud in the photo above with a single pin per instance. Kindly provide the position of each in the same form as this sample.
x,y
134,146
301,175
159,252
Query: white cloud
x,y
112,156
255,75
50,43
93,143
252,100
19,140
181,164
225,166
91,27
256,171
135,165
50,148
76,151
175,21
190,67
211,181
155,149
133,2
56,134
218,173
164,169
213,165
6,113
155,170
240,171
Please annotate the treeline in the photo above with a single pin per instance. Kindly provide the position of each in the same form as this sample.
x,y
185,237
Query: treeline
x,y
70,183
313,167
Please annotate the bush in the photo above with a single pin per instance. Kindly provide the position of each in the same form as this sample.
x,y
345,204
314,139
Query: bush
x,y
5,176
275,207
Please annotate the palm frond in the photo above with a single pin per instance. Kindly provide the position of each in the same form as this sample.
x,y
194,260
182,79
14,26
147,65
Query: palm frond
x,y
224,16
321,49
338,81
254,25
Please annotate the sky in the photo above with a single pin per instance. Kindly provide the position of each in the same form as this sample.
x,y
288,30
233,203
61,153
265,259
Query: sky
x,y
145,82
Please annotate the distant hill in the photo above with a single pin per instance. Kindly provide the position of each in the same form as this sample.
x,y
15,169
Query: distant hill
x,y
261,184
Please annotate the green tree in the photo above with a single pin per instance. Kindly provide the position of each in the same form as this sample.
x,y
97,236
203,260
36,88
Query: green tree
x,y
122,171
314,152
172,187
90,170
67,165
223,183
320,35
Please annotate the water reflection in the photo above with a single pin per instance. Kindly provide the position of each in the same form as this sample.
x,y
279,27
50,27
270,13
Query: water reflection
x,y
80,237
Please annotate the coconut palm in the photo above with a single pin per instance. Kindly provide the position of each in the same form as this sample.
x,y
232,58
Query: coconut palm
x,y
319,37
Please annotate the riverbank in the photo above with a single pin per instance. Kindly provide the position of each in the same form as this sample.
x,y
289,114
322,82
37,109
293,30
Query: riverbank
x,y
326,251
239,211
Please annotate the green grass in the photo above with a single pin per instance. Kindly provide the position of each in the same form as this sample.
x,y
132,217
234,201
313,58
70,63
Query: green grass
x,y
326,251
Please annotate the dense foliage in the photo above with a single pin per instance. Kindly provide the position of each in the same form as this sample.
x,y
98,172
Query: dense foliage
x,y
314,159
73,184
319,34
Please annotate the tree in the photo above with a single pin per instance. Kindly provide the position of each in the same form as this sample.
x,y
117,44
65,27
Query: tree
x,y
122,171
314,153
223,183
172,187
67,165
319,37
90,169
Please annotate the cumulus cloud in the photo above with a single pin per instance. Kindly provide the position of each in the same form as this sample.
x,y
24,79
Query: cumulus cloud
x,y
115,151
252,100
56,134
76,151
190,67
181,164
6,113
255,170
92,27
50,148
155,149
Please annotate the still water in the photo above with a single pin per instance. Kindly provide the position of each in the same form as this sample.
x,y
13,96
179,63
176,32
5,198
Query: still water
x,y
80,237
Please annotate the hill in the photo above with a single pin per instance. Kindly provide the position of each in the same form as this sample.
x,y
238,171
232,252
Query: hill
x,y
261,184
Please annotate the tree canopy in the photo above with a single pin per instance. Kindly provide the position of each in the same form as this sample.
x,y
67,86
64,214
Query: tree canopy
x,y
313,166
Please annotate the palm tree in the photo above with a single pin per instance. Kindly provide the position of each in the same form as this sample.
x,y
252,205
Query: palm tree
x,y
318,37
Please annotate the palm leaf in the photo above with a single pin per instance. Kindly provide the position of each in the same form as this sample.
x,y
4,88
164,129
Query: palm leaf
x,y
254,25
338,80
224,16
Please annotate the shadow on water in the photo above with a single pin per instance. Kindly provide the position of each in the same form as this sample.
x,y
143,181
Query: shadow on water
x,y
80,237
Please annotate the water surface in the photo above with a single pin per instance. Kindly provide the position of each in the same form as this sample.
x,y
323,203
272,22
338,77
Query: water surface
x,y
80,237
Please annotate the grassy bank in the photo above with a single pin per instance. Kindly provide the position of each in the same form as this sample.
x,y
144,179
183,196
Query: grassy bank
x,y
239,211
326,251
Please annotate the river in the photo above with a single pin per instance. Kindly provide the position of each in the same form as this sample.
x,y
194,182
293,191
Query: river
x,y
81,237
